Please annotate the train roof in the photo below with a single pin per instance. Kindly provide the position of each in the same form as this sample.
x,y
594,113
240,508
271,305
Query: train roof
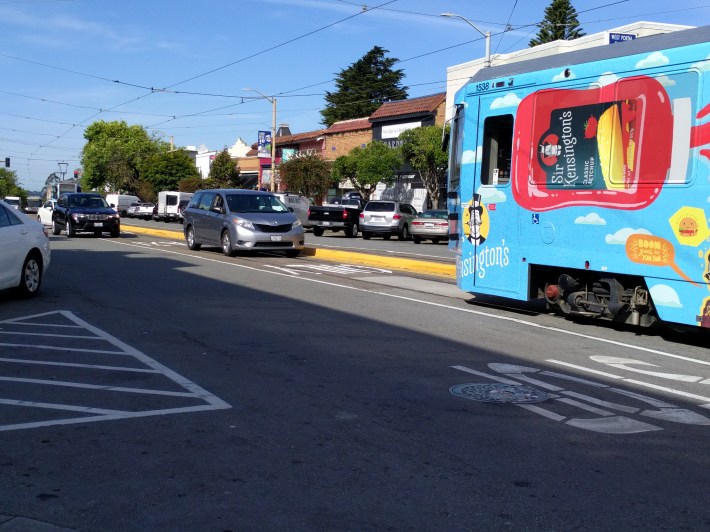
x,y
640,45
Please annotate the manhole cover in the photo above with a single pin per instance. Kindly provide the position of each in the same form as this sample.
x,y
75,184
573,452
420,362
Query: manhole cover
x,y
499,393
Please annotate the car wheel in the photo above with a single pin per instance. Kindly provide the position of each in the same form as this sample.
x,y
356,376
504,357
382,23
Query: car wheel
x,y
115,233
39,219
227,244
434,240
55,227
293,253
416,240
190,238
31,276
386,236
353,231
366,235
97,233
404,235
70,229
318,231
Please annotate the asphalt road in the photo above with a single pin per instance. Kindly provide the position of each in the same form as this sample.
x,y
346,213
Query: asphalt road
x,y
154,388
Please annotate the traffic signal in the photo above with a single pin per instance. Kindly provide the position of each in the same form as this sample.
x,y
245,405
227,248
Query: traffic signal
x,y
76,174
7,162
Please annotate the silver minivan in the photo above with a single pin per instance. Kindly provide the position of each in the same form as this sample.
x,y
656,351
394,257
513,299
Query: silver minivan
x,y
380,217
242,220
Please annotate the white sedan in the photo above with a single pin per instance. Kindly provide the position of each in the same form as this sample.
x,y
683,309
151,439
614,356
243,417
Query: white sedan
x,y
44,213
25,251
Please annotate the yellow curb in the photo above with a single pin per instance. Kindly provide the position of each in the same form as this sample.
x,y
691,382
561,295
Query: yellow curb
x,y
175,235
395,263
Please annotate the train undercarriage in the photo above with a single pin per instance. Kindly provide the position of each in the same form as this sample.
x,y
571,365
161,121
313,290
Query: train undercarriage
x,y
601,295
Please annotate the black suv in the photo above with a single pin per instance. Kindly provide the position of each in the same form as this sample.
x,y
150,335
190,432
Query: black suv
x,y
85,212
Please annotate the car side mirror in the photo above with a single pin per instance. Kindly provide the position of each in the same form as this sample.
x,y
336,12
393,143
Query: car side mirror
x,y
112,206
290,209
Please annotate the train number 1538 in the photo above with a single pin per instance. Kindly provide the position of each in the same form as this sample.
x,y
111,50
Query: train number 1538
x,y
480,87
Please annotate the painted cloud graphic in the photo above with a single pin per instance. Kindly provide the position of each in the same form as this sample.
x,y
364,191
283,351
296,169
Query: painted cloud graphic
x,y
509,100
491,195
654,59
664,296
622,235
561,76
590,219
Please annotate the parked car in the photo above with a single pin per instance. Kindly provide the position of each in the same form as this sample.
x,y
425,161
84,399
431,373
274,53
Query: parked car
x,y
84,212
335,215
25,251
44,213
141,209
387,218
132,210
242,220
430,225
181,209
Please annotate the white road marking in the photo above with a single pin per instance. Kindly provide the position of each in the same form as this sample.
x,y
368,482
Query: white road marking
x,y
626,363
165,379
608,422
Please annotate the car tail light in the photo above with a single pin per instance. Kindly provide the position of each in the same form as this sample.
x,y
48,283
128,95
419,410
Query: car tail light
x,y
362,215
345,214
417,223
397,216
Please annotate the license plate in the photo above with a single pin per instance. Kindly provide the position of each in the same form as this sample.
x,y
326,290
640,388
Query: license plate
x,y
276,238
98,224
428,225
326,224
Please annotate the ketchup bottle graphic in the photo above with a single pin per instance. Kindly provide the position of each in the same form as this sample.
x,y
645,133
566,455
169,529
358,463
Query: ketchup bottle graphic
x,y
608,146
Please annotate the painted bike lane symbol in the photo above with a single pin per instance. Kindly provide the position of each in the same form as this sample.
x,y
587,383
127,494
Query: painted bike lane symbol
x,y
618,412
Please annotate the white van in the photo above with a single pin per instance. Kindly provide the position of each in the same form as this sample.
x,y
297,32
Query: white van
x,y
299,204
121,202
169,203
13,201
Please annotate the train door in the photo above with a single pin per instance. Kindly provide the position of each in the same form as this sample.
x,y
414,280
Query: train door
x,y
491,216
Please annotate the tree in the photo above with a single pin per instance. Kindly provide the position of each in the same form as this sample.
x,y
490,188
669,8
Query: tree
x,y
363,87
164,171
560,23
191,184
114,153
307,175
365,167
421,148
224,172
9,185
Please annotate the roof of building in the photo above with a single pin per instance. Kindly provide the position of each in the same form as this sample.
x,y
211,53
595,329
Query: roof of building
x,y
412,106
345,126
299,137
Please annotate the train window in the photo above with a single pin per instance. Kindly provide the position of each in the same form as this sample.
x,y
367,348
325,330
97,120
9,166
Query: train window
x,y
456,150
497,150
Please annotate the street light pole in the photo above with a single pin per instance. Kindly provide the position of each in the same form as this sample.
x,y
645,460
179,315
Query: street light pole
x,y
63,169
271,99
486,34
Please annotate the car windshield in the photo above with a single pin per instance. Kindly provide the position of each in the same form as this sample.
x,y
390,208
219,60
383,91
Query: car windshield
x,y
434,214
263,203
380,206
87,202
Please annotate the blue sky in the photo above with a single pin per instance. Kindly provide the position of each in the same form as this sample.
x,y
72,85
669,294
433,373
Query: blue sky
x,y
180,68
